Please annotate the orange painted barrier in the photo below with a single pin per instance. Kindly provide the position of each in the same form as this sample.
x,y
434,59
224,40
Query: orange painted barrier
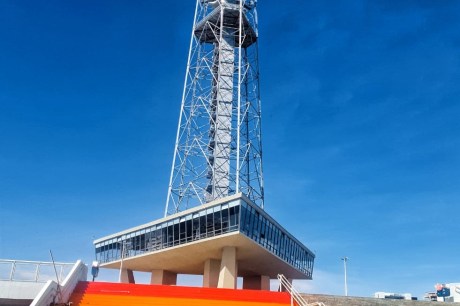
x,y
115,294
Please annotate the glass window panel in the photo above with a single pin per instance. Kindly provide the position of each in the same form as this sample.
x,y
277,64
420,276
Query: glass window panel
x,y
251,222
262,228
247,222
189,231
164,236
234,213
225,221
210,223
182,231
256,228
202,226
176,233
241,218
232,216
217,222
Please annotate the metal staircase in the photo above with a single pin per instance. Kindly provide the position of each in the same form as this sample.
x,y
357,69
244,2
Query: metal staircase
x,y
295,296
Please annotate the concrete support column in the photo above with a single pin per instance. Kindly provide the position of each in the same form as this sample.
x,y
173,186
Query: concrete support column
x,y
228,269
127,276
162,277
211,273
258,282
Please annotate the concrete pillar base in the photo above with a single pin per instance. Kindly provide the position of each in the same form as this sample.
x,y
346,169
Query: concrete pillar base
x,y
211,273
127,276
162,277
258,282
228,269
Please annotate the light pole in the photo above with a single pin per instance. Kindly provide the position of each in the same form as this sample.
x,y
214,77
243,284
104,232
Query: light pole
x,y
345,259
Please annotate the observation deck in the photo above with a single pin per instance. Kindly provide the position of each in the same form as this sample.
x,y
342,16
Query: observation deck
x,y
184,242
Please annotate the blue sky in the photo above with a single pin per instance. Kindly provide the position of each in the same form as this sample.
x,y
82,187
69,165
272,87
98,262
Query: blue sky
x,y
360,130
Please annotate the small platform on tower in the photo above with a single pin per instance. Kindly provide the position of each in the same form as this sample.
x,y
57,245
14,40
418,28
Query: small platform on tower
x,y
208,29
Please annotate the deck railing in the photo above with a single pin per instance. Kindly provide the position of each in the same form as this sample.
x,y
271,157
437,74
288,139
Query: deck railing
x,y
33,271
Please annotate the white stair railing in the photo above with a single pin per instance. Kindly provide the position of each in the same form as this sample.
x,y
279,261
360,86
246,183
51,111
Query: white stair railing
x,y
295,296
54,293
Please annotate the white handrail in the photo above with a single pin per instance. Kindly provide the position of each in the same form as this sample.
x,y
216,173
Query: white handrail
x,y
295,295
31,271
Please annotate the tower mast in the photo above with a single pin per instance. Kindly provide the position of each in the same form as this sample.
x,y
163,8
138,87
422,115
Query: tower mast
x,y
218,149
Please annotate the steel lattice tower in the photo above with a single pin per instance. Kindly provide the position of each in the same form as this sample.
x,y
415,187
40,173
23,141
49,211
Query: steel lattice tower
x,y
218,149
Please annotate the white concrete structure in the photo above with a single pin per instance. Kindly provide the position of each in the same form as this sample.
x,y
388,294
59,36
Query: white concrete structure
x,y
19,291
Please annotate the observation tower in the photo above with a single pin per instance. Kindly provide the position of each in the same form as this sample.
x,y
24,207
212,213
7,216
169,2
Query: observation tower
x,y
218,148
214,221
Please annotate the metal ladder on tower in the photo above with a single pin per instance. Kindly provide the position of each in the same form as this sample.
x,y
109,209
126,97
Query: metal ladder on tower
x,y
295,296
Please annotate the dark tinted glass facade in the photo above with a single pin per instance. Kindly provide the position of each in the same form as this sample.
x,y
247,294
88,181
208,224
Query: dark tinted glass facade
x,y
258,226
202,224
234,216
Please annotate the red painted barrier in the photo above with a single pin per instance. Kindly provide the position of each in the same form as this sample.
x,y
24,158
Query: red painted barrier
x,y
114,294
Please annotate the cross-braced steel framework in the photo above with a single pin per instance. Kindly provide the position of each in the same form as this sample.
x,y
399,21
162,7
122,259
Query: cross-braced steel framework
x,y
218,150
